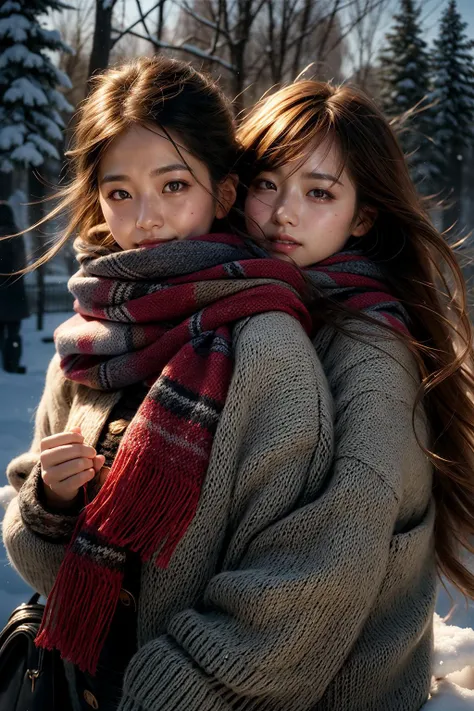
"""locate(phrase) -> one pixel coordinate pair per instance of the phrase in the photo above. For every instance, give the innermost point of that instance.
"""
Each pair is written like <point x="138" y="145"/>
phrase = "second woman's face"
<point x="306" y="210"/>
<point x="149" y="195"/>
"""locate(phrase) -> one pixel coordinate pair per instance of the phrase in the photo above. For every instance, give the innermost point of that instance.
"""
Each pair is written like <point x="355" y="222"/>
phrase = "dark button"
<point x="90" y="699"/>
<point x="127" y="599"/>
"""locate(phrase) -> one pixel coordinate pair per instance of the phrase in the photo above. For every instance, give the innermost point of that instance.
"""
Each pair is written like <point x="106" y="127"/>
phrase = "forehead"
<point x="145" y="146"/>
<point x="317" y="157"/>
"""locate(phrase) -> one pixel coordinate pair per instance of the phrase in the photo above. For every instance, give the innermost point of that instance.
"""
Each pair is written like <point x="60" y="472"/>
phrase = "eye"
<point x="119" y="195"/>
<point x="320" y="194"/>
<point x="175" y="186"/>
<point x="264" y="184"/>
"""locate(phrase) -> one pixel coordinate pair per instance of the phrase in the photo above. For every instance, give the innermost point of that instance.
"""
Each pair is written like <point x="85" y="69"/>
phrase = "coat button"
<point x="127" y="599"/>
<point x="90" y="699"/>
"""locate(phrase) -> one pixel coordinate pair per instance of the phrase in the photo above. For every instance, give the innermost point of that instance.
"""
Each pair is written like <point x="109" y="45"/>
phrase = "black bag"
<point x="31" y="679"/>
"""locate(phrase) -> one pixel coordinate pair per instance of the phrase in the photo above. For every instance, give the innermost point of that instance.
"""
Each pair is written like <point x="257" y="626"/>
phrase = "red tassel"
<point x="77" y="619"/>
<point x="144" y="507"/>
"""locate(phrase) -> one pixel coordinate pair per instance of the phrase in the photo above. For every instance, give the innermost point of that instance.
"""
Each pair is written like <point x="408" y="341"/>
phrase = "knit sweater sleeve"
<point x="298" y="577"/>
<point x="35" y="559"/>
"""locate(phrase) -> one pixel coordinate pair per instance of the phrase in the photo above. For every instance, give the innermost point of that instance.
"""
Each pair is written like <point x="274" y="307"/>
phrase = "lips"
<point x="284" y="244"/>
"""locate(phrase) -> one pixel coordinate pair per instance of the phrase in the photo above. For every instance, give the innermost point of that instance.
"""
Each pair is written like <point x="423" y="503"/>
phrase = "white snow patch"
<point x="448" y="696"/>
<point x="45" y="147"/>
<point x="15" y="27"/>
<point x="27" y="153"/>
<point x="59" y="101"/>
<point x="19" y="54"/>
<point x="24" y="90"/>
<point x="454" y="648"/>
<point x="51" y="128"/>
<point x="12" y="136"/>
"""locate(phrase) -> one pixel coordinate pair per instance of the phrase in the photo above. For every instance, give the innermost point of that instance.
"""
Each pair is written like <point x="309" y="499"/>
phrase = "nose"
<point x="150" y="215"/>
<point x="285" y="214"/>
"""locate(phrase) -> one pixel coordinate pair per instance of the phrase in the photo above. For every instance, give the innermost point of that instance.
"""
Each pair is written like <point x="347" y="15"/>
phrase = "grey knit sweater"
<point x="307" y="578"/>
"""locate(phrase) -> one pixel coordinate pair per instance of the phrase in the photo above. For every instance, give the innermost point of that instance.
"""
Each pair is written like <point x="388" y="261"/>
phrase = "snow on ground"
<point x="19" y="396"/>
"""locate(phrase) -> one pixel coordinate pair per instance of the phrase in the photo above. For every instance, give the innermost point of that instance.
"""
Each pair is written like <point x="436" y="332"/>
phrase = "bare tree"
<point x="365" y="40"/>
<point x="77" y="28"/>
<point x="248" y="40"/>
<point x="297" y="33"/>
<point x="102" y="39"/>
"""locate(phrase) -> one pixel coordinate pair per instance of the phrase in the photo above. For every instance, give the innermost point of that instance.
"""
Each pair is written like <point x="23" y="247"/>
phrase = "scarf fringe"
<point x="78" y="630"/>
<point x="143" y="508"/>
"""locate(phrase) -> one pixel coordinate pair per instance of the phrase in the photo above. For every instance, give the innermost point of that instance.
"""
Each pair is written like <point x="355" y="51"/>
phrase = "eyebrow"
<point x="110" y="178"/>
<point x="322" y="176"/>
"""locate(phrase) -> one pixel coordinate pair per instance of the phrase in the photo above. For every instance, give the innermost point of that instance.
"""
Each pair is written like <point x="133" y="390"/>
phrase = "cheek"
<point x="338" y="220"/>
<point x="256" y="210"/>
<point x="119" y="222"/>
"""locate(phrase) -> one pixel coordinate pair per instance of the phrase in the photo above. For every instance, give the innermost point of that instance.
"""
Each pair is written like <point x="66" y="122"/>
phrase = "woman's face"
<point x="304" y="209"/>
<point x="149" y="196"/>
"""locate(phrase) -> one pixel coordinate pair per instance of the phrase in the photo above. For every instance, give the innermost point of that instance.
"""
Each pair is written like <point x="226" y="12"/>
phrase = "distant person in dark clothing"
<point x="13" y="302"/>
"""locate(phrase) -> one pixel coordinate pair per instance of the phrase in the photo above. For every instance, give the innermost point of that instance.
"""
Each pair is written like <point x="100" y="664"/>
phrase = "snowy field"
<point x="19" y="395"/>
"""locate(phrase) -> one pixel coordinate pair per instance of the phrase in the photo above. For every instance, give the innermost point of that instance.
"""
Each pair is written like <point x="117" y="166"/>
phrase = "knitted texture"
<point x="358" y="283"/>
<point x="146" y="315"/>
<point x="306" y="581"/>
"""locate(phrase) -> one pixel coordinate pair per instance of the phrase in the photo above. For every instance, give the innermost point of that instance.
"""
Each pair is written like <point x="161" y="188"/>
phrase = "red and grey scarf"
<point x="354" y="281"/>
<point x="165" y="316"/>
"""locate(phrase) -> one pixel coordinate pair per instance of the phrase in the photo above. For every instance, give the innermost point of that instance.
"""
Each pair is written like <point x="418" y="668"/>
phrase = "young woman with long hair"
<point x="184" y="422"/>
<point x="326" y="184"/>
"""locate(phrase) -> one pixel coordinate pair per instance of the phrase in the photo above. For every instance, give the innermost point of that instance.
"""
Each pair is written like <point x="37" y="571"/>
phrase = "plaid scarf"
<point x="165" y="316"/>
<point x="351" y="279"/>
<point x="162" y="316"/>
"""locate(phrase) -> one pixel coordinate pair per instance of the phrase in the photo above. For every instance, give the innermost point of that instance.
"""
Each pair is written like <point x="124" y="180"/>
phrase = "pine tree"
<point x="30" y="102"/>
<point x="453" y="92"/>
<point x="404" y="75"/>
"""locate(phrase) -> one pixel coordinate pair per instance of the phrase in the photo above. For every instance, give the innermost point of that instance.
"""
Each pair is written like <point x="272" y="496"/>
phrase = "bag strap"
<point x="34" y="599"/>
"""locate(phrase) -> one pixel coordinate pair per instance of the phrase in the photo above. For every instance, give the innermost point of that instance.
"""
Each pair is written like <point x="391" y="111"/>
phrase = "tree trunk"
<point x="6" y="185"/>
<point x="102" y="40"/>
<point x="238" y="77"/>
<point x="161" y="14"/>
<point x="37" y="191"/>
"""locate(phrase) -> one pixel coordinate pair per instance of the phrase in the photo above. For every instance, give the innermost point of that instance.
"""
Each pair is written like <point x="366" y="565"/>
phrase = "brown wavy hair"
<point x="154" y="92"/>
<point x="420" y="267"/>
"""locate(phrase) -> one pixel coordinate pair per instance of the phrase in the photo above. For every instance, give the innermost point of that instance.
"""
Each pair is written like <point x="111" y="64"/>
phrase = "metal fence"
<point x="56" y="297"/>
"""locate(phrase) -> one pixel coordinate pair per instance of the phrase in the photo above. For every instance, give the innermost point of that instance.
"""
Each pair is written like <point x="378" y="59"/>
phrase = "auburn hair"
<point x="419" y="265"/>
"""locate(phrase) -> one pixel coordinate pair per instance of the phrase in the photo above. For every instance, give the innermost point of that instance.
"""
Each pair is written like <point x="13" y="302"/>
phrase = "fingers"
<point x="59" y="455"/>
<point x="58" y="440"/>
<point x="98" y="462"/>
<point x="68" y="489"/>
<point x="55" y="475"/>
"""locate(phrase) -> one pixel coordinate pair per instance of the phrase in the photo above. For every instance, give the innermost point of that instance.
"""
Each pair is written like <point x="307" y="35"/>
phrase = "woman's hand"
<point x="67" y="463"/>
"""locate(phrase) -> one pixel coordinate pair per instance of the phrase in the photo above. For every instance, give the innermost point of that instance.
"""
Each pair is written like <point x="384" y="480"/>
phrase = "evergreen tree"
<point x="30" y="103"/>
<point x="404" y="75"/>
<point x="453" y="92"/>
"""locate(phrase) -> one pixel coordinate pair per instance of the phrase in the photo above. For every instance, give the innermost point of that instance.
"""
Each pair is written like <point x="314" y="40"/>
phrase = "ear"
<point x="364" y="220"/>
<point x="226" y="195"/>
